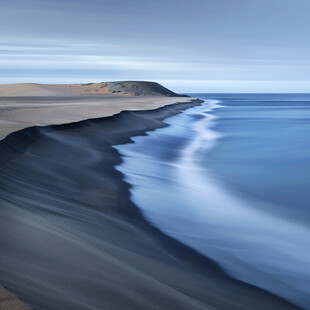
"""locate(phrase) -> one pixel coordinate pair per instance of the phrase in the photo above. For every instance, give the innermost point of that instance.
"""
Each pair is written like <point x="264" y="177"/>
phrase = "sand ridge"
<point x="30" y="104"/>
<point x="21" y="112"/>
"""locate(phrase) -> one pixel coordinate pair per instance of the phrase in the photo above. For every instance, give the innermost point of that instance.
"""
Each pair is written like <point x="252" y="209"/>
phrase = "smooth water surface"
<point x="231" y="179"/>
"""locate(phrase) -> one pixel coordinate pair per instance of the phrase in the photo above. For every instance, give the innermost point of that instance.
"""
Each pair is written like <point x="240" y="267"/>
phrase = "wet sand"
<point x="71" y="238"/>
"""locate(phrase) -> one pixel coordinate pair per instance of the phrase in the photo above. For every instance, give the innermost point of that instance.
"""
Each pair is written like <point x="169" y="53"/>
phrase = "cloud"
<point x="80" y="62"/>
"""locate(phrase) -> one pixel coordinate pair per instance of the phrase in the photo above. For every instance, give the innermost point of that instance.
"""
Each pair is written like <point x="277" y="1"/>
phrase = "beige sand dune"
<point x="30" y="104"/>
<point x="20" y="112"/>
<point x="123" y="88"/>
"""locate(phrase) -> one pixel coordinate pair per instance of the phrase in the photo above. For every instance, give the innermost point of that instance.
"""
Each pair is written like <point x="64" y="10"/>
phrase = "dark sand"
<point x="71" y="239"/>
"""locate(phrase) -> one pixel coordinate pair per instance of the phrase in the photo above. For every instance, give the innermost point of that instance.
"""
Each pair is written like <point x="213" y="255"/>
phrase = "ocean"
<point x="231" y="178"/>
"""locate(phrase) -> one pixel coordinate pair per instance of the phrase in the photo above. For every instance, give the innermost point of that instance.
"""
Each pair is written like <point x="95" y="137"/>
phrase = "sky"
<point x="188" y="46"/>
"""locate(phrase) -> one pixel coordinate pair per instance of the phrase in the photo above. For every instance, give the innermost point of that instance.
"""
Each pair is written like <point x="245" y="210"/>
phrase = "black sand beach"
<point x="71" y="239"/>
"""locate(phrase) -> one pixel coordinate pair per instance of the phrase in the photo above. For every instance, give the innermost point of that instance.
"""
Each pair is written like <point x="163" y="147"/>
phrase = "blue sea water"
<point x="231" y="179"/>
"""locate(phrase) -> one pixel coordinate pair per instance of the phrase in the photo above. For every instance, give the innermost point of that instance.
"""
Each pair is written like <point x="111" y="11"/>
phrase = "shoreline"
<point x="204" y="275"/>
<point x="185" y="200"/>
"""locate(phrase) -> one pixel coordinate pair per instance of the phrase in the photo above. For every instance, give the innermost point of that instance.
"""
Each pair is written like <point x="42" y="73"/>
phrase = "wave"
<point x="181" y="197"/>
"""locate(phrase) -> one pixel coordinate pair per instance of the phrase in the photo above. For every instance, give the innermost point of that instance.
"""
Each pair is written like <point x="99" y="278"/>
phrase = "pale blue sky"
<point x="189" y="46"/>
